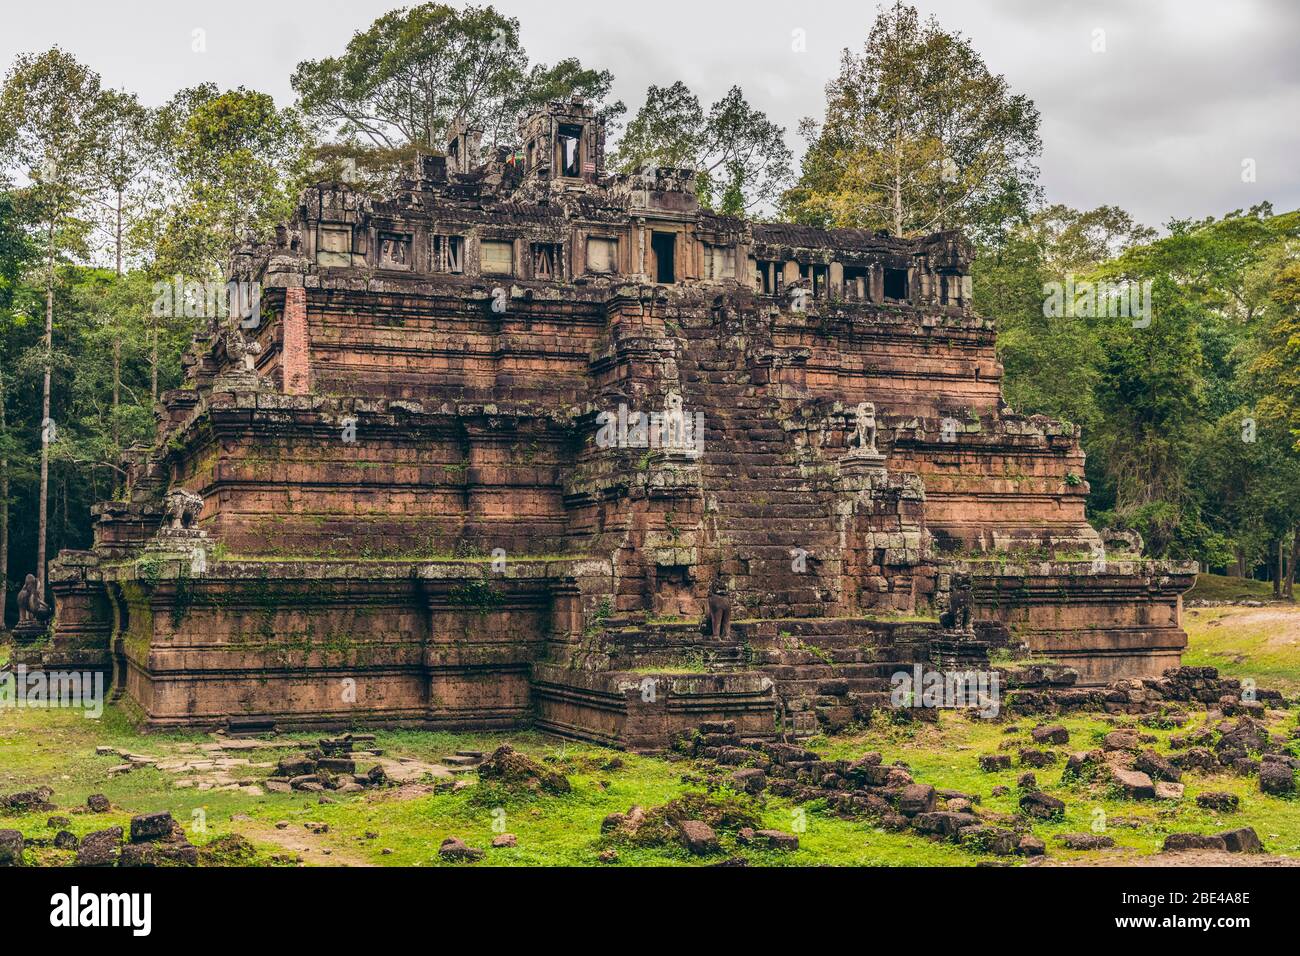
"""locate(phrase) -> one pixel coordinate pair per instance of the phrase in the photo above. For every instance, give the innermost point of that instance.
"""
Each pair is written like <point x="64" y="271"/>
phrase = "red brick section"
<point x="296" y="355"/>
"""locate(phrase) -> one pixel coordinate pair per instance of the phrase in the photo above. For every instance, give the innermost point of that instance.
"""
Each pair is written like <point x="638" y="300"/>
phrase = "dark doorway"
<point x="664" y="245"/>
<point x="896" y="284"/>
<point x="570" y="141"/>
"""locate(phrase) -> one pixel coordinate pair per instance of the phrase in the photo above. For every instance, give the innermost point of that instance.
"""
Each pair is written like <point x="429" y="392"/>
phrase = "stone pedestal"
<point x="29" y="632"/>
<point x="860" y="462"/>
<point x="182" y="542"/>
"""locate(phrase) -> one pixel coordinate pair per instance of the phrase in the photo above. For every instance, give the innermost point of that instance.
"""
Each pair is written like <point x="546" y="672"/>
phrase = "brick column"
<point x="295" y="356"/>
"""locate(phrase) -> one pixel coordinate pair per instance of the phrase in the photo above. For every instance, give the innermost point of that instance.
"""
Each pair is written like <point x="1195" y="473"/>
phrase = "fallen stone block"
<point x="1120" y="740"/>
<point x="1276" y="779"/>
<point x="1156" y="767"/>
<point x="698" y="837"/>
<point x="456" y="850"/>
<point x="1175" y="842"/>
<point x="152" y="826"/>
<point x="1042" y="806"/>
<point x="101" y="848"/>
<point x="163" y="853"/>
<point x="777" y="839"/>
<point x="11" y="848"/>
<point x="1031" y="845"/>
<point x="915" y="798"/>
<point x="1218" y="800"/>
<point x="1050" y="734"/>
<point x="28" y="801"/>
<point x="943" y="823"/>
<point x="1085" y="841"/>
<point x="1243" y="840"/>
<point x="1134" y="784"/>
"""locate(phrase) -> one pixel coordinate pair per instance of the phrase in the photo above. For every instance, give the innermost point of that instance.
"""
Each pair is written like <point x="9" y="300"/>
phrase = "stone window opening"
<point x="818" y="278"/>
<point x="394" y="250"/>
<point x="547" y="260"/>
<point x="857" y="283"/>
<point x="497" y="257"/>
<point x="768" y="277"/>
<point x="719" y="262"/>
<point x="664" y="247"/>
<point x="896" y="284"/>
<point x="602" y="255"/>
<point x="334" y="246"/>
<point x="568" y="142"/>
<point x="449" y="254"/>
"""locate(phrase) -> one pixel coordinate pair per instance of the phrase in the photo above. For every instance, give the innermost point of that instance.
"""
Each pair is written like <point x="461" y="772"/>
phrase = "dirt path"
<point x="1181" y="858"/>
<point x="297" y="839"/>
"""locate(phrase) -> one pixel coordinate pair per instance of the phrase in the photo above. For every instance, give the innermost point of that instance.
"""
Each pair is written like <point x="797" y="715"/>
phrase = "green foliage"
<point x="918" y="136"/>
<point x="741" y="155"/>
<point x="1165" y="405"/>
<point x="414" y="70"/>
<point x="236" y="164"/>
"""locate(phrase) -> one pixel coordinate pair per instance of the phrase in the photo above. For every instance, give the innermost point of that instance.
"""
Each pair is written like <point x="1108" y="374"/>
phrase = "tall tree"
<point x="918" y="136"/>
<point x="16" y="251"/>
<point x="414" y="70"/>
<point x="124" y="189"/>
<point x="51" y="109"/>
<point x="741" y="155"/>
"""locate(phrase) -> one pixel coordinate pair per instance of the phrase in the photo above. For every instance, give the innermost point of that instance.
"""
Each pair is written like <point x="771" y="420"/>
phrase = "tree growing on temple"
<point x="741" y="155"/>
<point x="405" y="78"/>
<point x="918" y="136"/>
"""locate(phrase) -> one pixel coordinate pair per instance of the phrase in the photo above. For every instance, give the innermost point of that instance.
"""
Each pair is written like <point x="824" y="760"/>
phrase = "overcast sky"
<point x="1159" y="122"/>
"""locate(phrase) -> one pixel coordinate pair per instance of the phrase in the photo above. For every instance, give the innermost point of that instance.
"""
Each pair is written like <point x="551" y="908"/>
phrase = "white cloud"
<point x="1158" y="124"/>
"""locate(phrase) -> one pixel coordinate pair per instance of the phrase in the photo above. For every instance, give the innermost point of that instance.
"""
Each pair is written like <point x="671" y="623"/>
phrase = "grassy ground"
<point x="1220" y="587"/>
<point x="1261" y="643"/>
<point x="57" y="749"/>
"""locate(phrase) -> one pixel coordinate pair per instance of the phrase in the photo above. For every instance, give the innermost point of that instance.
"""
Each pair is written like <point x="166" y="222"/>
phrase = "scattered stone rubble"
<point x="512" y="769"/>
<point x="1127" y="763"/>
<point x="1194" y="686"/>
<point x="330" y="766"/>
<point x="154" y="839"/>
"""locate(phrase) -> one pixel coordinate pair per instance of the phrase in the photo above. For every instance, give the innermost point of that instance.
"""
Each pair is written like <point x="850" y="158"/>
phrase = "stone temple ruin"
<point x="529" y="443"/>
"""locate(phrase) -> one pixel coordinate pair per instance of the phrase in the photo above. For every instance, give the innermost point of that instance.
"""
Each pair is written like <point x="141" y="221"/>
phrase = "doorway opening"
<point x="664" y="245"/>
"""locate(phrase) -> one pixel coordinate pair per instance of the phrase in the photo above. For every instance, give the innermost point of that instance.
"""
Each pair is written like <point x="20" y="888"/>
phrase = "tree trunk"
<point x="153" y="363"/>
<point x="4" y="513"/>
<point x="1277" y="573"/>
<point x="1295" y="559"/>
<point x="118" y="235"/>
<point x="45" y="415"/>
<point x="117" y="339"/>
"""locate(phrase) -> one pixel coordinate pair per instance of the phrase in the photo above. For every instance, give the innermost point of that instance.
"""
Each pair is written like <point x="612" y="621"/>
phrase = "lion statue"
<point x="183" y="508"/>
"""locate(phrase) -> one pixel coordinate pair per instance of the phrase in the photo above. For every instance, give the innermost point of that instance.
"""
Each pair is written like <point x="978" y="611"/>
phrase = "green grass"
<point x="947" y="755"/>
<point x="1259" y="643"/>
<point x="1221" y="587"/>
<point x="56" y="748"/>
